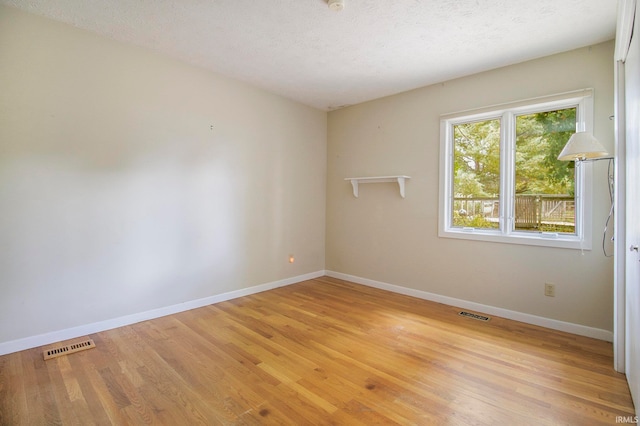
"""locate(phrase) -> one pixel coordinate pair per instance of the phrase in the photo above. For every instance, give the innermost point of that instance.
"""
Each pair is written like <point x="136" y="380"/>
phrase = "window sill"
<point x="522" y="238"/>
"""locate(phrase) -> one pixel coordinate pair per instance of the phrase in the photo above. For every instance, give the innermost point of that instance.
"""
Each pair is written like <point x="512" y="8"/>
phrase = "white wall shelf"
<point x="355" y="181"/>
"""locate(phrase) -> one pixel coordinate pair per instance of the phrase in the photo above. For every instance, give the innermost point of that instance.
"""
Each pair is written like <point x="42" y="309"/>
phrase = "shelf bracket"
<point x="401" y="180"/>
<point x="354" y="184"/>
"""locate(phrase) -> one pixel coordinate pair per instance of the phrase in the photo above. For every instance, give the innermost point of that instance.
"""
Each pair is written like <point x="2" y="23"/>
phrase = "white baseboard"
<point x="83" y="330"/>
<point x="568" y="327"/>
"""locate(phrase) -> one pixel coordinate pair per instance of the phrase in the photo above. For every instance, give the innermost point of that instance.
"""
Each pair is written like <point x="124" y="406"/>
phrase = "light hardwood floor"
<point x="323" y="351"/>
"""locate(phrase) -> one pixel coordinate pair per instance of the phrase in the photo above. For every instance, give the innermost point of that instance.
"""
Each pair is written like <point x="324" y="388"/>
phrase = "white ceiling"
<point x="304" y="51"/>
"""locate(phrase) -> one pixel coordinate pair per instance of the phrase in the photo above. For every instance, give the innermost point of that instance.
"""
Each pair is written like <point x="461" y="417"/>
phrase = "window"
<point x="501" y="180"/>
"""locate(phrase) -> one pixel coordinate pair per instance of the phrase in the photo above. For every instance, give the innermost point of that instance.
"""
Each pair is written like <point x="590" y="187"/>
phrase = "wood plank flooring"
<point x="323" y="351"/>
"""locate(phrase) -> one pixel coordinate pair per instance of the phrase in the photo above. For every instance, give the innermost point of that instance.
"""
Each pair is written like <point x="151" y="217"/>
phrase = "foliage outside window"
<point x="502" y="180"/>
<point x="476" y="174"/>
<point x="544" y="186"/>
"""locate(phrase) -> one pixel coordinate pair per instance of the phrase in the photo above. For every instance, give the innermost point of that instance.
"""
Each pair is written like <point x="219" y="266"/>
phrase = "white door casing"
<point x="632" y="222"/>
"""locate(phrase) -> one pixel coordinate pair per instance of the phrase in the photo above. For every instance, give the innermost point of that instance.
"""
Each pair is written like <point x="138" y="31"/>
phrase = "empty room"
<point x="310" y="212"/>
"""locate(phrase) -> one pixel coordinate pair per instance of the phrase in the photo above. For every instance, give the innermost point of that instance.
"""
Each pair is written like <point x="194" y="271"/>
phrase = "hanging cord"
<point x="610" y="178"/>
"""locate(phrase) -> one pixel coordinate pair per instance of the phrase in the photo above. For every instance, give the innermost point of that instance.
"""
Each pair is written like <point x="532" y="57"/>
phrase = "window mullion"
<point x="507" y="161"/>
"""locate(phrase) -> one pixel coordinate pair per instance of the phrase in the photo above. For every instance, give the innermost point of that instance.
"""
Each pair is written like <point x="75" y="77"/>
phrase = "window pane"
<point x="544" y="186"/>
<point x="476" y="174"/>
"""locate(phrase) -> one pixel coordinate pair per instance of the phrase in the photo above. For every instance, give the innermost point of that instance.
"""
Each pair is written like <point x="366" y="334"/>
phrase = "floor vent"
<point x="474" y="316"/>
<point x="69" y="349"/>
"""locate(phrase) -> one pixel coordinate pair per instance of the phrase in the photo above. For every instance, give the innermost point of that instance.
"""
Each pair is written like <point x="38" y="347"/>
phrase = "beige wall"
<point x="117" y="195"/>
<point x="382" y="237"/>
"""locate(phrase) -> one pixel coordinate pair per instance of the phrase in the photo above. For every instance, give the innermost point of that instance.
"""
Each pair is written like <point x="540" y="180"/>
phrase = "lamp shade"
<point x="582" y="146"/>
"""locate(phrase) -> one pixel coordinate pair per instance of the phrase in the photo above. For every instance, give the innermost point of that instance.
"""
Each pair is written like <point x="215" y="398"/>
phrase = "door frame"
<point x="624" y="31"/>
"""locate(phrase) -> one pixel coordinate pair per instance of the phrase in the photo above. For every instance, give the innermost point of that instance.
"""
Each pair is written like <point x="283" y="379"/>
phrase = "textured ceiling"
<point x="304" y="51"/>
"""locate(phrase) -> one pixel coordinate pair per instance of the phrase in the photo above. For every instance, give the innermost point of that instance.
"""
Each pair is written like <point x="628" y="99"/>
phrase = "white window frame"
<point x="583" y="101"/>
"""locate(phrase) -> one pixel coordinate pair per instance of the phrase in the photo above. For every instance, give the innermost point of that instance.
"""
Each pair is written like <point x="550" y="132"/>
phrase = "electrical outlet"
<point x="549" y="289"/>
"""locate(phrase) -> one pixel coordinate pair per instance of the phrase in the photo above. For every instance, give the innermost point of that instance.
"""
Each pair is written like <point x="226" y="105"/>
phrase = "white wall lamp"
<point x="583" y="146"/>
